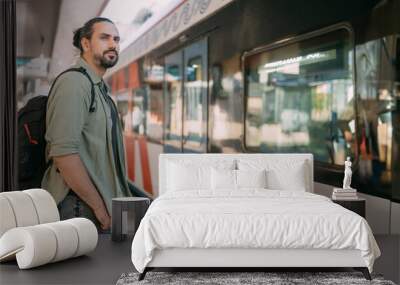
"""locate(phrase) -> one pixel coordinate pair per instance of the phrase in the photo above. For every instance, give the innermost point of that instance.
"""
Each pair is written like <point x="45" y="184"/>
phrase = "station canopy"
<point x="134" y="18"/>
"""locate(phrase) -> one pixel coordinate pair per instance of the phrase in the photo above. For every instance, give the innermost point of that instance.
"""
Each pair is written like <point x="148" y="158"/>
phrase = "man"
<point x="85" y="148"/>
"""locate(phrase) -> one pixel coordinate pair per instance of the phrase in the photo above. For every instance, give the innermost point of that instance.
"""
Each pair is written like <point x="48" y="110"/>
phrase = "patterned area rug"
<point x="242" y="278"/>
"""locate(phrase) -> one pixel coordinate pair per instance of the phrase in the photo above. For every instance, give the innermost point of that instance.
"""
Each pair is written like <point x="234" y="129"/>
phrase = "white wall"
<point x="395" y="219"/>
<point x="388" y="263"/>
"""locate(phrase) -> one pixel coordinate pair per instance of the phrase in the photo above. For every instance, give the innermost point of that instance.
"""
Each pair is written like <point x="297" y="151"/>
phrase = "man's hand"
<point x="103" y="217"/>
<point x="75" y="175"/>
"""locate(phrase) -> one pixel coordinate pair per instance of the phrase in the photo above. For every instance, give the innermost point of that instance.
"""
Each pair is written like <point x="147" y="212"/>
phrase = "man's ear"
<point x="85" y="43"/>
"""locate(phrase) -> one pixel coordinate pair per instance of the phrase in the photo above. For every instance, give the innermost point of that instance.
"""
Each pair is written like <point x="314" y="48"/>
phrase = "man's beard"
<point x="107" y="63"/>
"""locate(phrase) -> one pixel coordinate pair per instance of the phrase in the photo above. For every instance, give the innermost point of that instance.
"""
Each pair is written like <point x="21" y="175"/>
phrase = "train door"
<point x="173" y="102"/>
<point x="195" y="98"/>
<point x="185" y="89"/>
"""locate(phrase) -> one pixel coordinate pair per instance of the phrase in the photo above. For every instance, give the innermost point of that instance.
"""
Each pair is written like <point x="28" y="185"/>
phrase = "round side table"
<point x="127" y="212"/>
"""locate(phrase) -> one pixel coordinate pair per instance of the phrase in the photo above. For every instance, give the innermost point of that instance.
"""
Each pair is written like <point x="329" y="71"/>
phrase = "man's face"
<point x="103" y="46"/>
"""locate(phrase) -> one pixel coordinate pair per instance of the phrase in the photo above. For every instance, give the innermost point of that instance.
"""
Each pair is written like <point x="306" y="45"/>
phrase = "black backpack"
<point x="31" y="141"/>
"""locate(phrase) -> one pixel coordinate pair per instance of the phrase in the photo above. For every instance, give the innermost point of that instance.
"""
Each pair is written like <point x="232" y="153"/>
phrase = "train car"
<point x="247" y="79"/>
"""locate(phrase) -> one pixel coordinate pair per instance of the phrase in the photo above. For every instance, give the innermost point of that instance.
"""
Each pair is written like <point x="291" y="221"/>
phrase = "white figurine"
<point x="347" y="174"/>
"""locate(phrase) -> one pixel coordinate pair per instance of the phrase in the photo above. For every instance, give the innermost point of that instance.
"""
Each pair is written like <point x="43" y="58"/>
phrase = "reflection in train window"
<point x="173" y="104"/>
<point x="136" y="110"/>
<point x="153" y="80"/>
<point x="226" y="98"/>
<point x="377" y="88"/>
<point x="173" y="71"/>
<point x="193" y="70"/>
<point x="193" y="103"/>
<point x="129" y="94"/>
<point x="300" y="98"/>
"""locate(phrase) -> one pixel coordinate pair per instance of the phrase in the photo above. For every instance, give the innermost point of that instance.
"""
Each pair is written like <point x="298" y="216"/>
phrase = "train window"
<point x="140" y="100"/>
<point x="186" y="99"/>
<point x="137" y="110"/>
<point x="195" y="97"/>
<point x="193" y="69"/>
<point x="226" y="100"/>
<point x="299" y="98"/>
<point x="173" y="103"/>
<point x="154" y="77"/>
<point x="378" y="124"/>
<point x="193" y="104"/>
<point x="130" y="97"/>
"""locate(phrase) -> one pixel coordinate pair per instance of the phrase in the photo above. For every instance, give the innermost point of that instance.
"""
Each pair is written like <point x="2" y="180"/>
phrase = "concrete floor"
<point x="102" y="266"/>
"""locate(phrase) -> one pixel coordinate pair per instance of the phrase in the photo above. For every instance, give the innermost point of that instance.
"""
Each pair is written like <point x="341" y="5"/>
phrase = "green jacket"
<point x="71" y="128"/>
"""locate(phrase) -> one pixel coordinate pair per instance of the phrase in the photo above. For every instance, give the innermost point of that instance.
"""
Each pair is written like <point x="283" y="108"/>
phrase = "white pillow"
<point x="285" y="174"/>
<point x="184" y="174"/>
<point x="183" y="178"/>
<point x="293" y="179"/>
<point x="235" y="179"/>
<point x="223" y="179"/>
<point x="251" y="178"/>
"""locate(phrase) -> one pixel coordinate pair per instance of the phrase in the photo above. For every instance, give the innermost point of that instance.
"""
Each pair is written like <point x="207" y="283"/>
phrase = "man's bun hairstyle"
<point x="86" y="31"/>
<point x="77" y="39"/>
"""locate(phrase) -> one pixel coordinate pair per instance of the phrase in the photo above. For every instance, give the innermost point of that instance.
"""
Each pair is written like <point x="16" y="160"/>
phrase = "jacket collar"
<point x="95" y="78"/>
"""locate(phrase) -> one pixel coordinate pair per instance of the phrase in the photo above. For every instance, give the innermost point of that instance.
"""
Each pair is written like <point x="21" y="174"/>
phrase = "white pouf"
<point x="37" y="245"/>
<point x="7" y="220"/>
<point x="45" y="205"/>
<point x="22" y="207"/>
<point x="31" y="232"/>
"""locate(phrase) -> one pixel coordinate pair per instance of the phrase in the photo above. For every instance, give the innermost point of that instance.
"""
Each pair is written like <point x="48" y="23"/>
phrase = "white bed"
<point x="215" y="224"/>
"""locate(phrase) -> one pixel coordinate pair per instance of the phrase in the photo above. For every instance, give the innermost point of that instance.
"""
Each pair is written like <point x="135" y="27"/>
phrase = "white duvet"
<point x="253" y="218"/>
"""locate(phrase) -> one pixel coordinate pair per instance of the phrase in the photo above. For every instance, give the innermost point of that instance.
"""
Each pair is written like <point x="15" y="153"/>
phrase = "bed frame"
<point x="246" y="259"/>
<point x="242" y="259"/>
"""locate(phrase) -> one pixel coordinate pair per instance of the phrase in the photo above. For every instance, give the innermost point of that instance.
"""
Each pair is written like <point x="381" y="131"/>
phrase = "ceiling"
<point x="35" y="20"/>
<point x="45" y="27"/>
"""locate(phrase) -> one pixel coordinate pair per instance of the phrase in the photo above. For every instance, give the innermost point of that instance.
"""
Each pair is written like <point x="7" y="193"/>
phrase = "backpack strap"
<point x="82" y="70"/>
<point x="93" y="93"/>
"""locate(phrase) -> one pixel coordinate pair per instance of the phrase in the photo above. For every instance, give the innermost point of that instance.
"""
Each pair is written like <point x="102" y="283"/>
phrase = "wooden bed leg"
<point x="143" y="274"/>
<point x="364" y="271"/>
